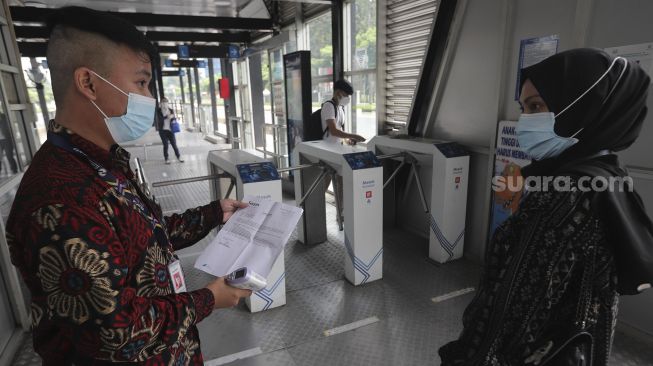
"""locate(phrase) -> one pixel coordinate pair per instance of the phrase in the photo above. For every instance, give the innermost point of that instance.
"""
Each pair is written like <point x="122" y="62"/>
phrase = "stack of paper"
<point x="253" y="237"/>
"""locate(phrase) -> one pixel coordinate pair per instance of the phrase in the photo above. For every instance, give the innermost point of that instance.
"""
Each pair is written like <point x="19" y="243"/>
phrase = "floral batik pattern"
<point x="94" y="253"/>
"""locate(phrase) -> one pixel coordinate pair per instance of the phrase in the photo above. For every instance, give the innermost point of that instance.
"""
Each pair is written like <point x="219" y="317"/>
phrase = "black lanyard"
<point x="140" y="201"/>
<point x="148" y="208"/>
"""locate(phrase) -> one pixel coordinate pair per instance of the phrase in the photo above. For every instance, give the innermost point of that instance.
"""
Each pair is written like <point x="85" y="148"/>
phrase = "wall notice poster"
<point x="640" y="53"/>
<point x="532" y="51"/>
<point x="509" y="159"/>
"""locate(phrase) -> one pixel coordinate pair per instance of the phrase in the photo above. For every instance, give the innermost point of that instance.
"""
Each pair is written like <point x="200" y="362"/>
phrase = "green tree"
<point x="364" y="27"/>
<point x="321" y="44"/>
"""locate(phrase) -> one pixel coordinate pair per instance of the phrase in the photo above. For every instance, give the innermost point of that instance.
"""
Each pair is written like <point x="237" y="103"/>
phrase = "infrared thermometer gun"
<point x="245" y="279"/>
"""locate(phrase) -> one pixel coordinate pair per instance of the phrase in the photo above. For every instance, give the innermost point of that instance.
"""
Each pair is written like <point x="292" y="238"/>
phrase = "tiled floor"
<point x="410" y="328"/>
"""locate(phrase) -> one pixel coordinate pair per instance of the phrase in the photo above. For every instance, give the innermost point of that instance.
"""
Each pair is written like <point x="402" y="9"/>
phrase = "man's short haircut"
<point x="84" y="37"/>
<point x="344" y="85"/>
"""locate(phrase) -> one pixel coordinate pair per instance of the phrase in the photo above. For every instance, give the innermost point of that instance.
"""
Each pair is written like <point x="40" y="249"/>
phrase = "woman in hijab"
<point x="165" y="115"/>
<point x="553" y="271"/>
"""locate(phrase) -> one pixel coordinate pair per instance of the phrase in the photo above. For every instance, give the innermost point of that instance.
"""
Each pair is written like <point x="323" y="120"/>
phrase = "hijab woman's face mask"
<point x="135" y="122"/>
<point x="536" y="131"/>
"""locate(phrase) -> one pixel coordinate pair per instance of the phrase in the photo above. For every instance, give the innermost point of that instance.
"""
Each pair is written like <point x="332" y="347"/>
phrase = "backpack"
<point x="313" y="129"/>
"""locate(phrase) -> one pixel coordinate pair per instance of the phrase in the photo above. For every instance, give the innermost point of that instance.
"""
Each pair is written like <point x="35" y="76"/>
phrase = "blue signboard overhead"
<point x="183" y="51"/>
<point x="234" y="51"/>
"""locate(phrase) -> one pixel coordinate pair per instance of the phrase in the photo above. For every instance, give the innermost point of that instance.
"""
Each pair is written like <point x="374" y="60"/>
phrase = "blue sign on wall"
<point x="183" y="51"/>
<point x="234" y="51"/>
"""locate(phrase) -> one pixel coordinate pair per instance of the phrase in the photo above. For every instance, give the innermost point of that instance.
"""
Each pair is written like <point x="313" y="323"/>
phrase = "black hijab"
<point x="611" y="115"/>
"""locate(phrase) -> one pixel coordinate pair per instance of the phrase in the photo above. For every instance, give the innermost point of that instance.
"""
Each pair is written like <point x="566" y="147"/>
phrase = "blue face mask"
<point x="537" y="137"/>
<point x="133" y="124"/>
<point x="536" y="134"/>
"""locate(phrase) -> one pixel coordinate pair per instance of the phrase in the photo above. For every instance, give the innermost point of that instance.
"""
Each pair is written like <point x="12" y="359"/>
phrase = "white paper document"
<point x="253" y="237"/>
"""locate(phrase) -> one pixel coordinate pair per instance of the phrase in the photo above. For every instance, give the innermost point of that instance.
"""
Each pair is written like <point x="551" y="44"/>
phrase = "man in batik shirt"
<point x="94" y="250"/>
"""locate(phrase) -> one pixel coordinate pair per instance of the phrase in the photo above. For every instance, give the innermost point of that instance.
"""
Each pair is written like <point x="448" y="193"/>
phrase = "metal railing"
<point x="240" y="133"/>
<point x="277" y="147"/>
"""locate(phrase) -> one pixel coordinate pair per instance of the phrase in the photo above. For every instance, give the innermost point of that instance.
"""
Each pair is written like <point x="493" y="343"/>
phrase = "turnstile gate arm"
<point x="338" y="193"/>
<point x="231" y="188"/>
<point x="323" y="174"/>
<point x="394" y="174"/>
<point x="298" y="167"/>
<point x="408" y="159"/>
<point x="190" y="180"/>
<point x="419" y="188"/>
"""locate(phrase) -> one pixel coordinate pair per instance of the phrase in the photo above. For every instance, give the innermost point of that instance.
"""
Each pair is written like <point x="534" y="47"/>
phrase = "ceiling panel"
<point x="220" y="8"/>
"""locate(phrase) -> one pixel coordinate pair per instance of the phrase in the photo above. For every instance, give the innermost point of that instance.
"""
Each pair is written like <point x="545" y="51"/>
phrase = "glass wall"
<point x="267" y="87"/>
<point x="8" y="148"/>
<point x="222" y="116"/>
<point x="318" y="33"/>
<point x="18" y="129"/>
<point x="360" y="64"/>
<point x="278" y="91"/>
<point x="32" y="76"/>
<point x="19" y="142"/>
<point x="178" y="91"/>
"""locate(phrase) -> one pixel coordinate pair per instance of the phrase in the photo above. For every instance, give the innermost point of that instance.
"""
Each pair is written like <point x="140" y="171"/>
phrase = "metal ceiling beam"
<point x="38" y="49"/>
<point x="240" y="37"/>
<point x="28" y="32"/>
<point x="199" y="51"/>
<point x="32" y="49"/>
<point x="33" y="14"/>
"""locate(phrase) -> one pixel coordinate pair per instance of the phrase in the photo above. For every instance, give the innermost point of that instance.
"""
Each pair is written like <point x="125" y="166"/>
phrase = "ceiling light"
<point x="222" y="3"/>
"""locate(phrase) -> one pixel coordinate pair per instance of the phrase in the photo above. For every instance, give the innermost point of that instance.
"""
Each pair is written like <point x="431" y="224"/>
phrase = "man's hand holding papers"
<point x="253" y="237"/>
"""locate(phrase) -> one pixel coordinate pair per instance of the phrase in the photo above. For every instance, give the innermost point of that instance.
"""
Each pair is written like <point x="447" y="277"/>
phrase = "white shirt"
<point x="328" y="112"/>
<point x="167" y="116"/>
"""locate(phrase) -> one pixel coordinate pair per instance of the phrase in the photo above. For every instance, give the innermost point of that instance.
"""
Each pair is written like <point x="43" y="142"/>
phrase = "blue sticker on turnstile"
<point x="258" y="172"/>
<point x="451" y="149"/>
<point x="362" y="160"/>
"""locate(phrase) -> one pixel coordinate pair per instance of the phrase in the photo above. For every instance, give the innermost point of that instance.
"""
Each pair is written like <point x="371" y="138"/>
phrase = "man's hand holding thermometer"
<point x="224" y="295"/>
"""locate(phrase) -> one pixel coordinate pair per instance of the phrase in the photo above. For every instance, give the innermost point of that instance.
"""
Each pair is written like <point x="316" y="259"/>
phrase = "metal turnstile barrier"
<point x="444" y="167"/>
<point x="362" y="197"/>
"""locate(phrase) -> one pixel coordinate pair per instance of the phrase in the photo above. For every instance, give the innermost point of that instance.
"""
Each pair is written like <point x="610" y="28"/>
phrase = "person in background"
<point x="164" y="116"/>
<point x="95" y="251"/>
<point x="7" y="144"/>
<point x="333" y="125"/>
<point x="333" y="115"/>
<point x="553" y="271"/>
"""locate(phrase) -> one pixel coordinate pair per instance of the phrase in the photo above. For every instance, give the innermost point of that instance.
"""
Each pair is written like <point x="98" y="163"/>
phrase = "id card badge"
<point x="177" y="276"/>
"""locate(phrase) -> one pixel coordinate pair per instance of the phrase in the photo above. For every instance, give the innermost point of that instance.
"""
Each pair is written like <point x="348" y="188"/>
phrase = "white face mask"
<point x="343" y="101"/>
<point x="133" y="124"/>
<point x="536" y="134"/>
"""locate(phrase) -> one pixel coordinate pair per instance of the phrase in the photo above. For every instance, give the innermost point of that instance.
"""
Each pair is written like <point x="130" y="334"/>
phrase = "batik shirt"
<point x="94" y="253"/>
